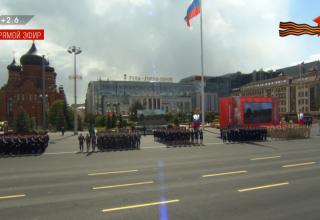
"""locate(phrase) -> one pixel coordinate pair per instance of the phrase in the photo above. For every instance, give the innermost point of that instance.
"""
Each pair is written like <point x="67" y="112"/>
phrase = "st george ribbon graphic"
<point x="291" y="28"/>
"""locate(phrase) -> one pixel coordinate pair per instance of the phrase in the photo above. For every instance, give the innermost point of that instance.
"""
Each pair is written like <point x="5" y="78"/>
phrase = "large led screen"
<point x="257" y="112"/>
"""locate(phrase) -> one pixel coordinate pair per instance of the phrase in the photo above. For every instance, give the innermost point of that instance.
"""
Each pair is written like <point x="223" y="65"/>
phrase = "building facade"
<point x="296" y="94"/>
<point x="119" y="96"/>
<point x="23" y="90"/>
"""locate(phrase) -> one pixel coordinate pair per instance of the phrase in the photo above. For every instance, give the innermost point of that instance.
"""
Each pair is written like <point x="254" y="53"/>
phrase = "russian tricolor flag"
<point x="193" y="10"/>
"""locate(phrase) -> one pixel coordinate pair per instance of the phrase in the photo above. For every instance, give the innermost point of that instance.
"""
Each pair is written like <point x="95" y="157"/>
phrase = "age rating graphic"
<point x="15" y="19"/>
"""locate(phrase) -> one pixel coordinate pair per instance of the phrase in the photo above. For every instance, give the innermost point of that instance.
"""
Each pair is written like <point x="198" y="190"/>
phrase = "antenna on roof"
<point x="14" y="54"/>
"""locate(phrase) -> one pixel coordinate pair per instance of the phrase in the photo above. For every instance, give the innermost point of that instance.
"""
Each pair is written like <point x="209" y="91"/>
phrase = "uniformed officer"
<point x="88" y="140"/>
<point x="93" y="142"/>
<point x="81" y="141"/>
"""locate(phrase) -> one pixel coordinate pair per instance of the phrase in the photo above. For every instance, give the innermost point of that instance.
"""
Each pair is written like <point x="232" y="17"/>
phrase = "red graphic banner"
<point x="21" y="34"/>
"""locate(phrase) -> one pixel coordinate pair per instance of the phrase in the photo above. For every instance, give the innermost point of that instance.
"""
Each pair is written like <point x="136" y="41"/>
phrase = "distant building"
<point x="23" y="90"/>
<point x="119" y="96"/>
<point x="300" y="69"/>
<point x="296" y="94"/>
<point x="185" y="96"/>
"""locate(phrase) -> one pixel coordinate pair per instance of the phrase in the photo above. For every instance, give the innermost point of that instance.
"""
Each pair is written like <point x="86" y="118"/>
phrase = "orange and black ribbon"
<point x="291" y="28"/>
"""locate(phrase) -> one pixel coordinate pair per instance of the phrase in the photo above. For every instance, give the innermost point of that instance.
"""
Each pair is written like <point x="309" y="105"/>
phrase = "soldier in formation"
<point x="88" y="142"/>
<point x="14" y="144"/>
<point x="244" y="134"/>
<point x="118" y="141"/>
<point x="178" y="136"/>
<point x="81" y="142"/>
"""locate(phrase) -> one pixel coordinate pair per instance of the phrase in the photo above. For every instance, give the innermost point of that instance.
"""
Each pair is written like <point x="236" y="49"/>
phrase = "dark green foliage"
<point x="90" y="119"/>
<point x="60" y="115"/>
<point x="22" y="123"/>
<point x="134" y="110"/>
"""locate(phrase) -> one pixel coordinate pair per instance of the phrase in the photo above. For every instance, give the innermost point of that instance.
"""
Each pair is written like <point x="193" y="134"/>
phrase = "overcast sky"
<point x="150" y="37"/>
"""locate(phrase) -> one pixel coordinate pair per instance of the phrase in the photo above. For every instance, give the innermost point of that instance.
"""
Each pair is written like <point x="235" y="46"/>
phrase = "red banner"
<point x="21" y="34"/>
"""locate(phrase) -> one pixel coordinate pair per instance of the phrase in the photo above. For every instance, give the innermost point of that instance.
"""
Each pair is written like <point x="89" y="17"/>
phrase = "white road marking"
<point x="123" y="185"/>
<point x="265" y="158"/>
<point x="298" y="164"/>
<point x="12" y="196"/>
<point x="112" y="172"/>
<point x="263" y="187"/>
<point x="58" y="153"/>
<point x="140" y="205"/>
<point x="223" y="174"/>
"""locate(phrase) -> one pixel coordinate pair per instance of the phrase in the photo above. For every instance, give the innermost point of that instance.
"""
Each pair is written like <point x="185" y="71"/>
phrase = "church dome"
<point x="32" y="57"/>
<point x="14" y="66"/>
<point x="49" y="68"/>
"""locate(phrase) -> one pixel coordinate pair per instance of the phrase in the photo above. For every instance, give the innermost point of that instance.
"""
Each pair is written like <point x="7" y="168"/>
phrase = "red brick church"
<point x="23" y="90"/>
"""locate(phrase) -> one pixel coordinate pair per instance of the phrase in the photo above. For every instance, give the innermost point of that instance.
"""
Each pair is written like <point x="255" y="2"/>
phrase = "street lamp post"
<point x="75" y="51"/>
<point x="43" y="95"/>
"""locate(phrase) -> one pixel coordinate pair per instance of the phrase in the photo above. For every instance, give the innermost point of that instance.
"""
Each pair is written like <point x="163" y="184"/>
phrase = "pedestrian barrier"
<point x="289" y="132"/>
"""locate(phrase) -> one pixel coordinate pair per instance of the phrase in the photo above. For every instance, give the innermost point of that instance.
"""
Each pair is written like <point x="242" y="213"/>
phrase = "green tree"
<point x="169" y="117"/>
<point x="134" y="110"/>
<point x="70" y="118"/>
<point x="68" y="115"/>
<point x="57" y="116"/>
<point x="22" y="122"/>
<point x="60" y="120"/>
<point x="108" y="122"/>
<point x="90" y="119"/>
<point x="120" y="119"/>
<point x="113" y="120"/>
<point x="209" y="117"/>
<point x="100" y="120"/>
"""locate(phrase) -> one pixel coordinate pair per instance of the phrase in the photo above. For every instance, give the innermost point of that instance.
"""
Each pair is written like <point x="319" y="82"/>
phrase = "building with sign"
<point x="119" y="96"/>
<point x="24" y="88"/>
<point x="296" y="94"/>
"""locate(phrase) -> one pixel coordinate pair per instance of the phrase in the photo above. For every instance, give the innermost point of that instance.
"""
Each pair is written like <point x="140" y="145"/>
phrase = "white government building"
<point x="156" y="97"/>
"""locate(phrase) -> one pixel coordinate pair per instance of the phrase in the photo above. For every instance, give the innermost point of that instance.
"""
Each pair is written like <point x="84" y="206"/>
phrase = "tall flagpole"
<point x="202" y="69"/>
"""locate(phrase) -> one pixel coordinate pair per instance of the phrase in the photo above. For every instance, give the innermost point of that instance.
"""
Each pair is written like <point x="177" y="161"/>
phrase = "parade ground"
<point x="276" y="179"/>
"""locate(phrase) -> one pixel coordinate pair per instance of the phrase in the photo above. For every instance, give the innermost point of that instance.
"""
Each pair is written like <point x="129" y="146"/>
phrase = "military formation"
<point x="14" y="144"/>
<point x="178" y="136"/>
<point x="244" y="134"/>
<point x="110" y="141"/>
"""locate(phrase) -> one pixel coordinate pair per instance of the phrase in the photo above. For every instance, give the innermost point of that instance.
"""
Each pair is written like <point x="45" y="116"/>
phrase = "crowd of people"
<point x="178" y="136"/>
<point x="15" y="144"/>
<point x="244" y="134"/>
<point x="110" y="141"/>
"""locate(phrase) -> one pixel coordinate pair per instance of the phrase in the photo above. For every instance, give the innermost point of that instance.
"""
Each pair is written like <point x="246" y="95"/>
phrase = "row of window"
<point x="281" y="95"/>
<point x="303" y="101"/>
<point x="303" y="94"/>
<point x="270" y="83"/>
<point x="283" y="103"/>
<point x="283" y="110"/>
<point x="26" y="97"/>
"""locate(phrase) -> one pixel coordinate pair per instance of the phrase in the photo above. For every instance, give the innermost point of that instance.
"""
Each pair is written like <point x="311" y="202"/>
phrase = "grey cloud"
<point x="150" y="37"/>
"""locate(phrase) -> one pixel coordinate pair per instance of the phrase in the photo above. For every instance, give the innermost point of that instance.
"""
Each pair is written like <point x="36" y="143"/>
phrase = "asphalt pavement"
<point x="261" y="180"/>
